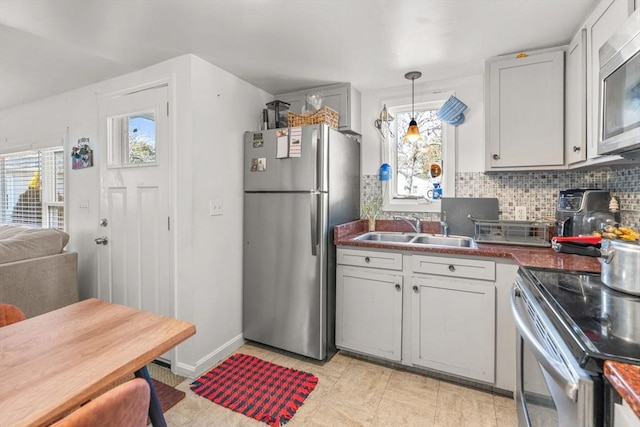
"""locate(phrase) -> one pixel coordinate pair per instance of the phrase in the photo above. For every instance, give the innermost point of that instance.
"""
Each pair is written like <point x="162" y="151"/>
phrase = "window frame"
<point x="393" y="203"/>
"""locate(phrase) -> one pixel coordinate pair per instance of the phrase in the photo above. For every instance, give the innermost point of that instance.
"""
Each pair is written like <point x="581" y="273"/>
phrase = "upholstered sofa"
<point x="36" y="273"/>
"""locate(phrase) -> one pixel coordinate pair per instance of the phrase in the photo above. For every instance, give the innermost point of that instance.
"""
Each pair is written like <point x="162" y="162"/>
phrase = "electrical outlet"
<point x="215" y="207"/>
<point x="521" y="213"/>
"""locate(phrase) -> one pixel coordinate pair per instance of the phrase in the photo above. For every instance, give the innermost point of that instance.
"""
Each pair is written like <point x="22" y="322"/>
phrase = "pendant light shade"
<point x="413" y="133"/>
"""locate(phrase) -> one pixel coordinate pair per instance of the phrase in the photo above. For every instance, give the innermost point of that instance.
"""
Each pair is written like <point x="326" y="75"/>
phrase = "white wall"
<point x="209" y="251"/>
<point x="211" y="110"/>
<point x="470" y="134"/>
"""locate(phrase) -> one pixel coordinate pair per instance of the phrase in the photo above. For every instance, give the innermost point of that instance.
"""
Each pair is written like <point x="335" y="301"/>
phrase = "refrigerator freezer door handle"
<point x="314" y="222"/>
<point x="315" y="142"/>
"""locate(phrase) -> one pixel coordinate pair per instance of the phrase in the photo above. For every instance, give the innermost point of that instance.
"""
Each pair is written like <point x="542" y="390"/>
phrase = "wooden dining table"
<point x="53" y="363"/>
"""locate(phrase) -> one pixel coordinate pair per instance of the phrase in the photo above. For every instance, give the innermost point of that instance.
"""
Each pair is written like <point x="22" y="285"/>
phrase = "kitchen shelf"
<point x="527" y="233"/>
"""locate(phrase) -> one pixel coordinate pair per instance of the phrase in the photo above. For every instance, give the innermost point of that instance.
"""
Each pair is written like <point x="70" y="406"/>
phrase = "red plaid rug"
<point x="256" y="388"/>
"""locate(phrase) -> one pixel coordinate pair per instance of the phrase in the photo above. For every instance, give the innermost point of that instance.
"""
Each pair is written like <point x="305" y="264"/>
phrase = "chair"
<point x="10" y="314"/>
<point x="126" y="405"/>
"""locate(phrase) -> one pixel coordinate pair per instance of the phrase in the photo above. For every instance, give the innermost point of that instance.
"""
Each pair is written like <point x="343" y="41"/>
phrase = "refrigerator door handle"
<point x="315" y="142"/>
<point x="314" y="222"/>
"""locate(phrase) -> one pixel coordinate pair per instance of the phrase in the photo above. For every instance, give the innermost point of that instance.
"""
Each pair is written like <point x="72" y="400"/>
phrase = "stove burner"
<point x="600" y="322"/>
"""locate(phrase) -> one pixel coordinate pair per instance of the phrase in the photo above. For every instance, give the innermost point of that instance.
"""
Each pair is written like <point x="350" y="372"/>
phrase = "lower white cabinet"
<point x="623" y="416"/>
<point x="453" y="326"/>
<point x="369" y="311"/>
<point x="438" y="312"/>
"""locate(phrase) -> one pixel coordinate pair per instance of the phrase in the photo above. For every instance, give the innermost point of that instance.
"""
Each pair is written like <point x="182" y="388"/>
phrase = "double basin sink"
<point x="419" y="239"/>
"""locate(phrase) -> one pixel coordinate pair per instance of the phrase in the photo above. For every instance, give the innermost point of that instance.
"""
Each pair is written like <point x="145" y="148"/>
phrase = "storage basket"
<point x="323" y="115"/>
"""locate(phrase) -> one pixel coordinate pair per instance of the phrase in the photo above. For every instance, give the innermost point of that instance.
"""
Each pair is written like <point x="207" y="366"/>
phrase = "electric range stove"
<point x="595" y="322"/>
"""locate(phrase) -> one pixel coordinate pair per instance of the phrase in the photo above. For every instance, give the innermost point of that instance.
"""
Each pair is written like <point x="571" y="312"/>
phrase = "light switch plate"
<point x="215" y="207"/>
<point x="521" y="213"/>
<point x="83" y="206"/>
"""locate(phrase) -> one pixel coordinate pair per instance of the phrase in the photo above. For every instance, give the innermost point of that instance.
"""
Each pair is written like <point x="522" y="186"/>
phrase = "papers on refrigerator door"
<point x="295" y="144"/>
<point x="282" y="143"/>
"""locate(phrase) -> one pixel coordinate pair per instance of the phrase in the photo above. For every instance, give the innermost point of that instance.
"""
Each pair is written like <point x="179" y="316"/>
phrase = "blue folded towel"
<point x="451" y="111"/>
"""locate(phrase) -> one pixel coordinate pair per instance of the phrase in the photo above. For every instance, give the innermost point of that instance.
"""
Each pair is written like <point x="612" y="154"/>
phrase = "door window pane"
<point x="132" y="139"/>
<point x="142" y="138"/>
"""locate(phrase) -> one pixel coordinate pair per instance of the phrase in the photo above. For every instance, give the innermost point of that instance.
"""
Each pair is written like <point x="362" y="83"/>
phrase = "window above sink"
<point x="417" y="166"/>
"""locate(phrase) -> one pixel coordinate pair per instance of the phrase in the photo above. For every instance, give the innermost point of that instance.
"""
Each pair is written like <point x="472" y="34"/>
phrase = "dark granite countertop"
<point x="625" y="379"/>
<point x="526" y="256"/>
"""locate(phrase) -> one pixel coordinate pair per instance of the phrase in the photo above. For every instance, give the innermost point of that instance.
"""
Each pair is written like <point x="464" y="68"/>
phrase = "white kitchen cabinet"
<point x="505" y="327"/>
<point x="369" y="311"/>
<point x="524" y="101"/>
<point x="442" y="313"/>
<point x="601" y="24"/>
<point x="453" y="324"/>
<point x="374" y="259"/>
<point x="342" y="97"/>
<point x="575" y="139"/>
<point x="623" y="416"/>
<point x="454" y="267"/>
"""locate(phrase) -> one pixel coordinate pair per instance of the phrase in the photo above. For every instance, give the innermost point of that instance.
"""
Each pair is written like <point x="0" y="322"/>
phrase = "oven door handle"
<point x="550" y="364"/>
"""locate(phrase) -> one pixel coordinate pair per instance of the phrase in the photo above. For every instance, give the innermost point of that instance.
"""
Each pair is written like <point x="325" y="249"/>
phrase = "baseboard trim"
<point x="206" y="363"/>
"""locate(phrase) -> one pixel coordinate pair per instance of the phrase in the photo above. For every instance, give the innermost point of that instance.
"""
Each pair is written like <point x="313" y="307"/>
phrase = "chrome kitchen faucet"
<point x="416" y="226"/>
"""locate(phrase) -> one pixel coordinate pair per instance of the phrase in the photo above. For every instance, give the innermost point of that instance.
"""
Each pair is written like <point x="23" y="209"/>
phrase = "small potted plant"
<point x="370" y="211"/>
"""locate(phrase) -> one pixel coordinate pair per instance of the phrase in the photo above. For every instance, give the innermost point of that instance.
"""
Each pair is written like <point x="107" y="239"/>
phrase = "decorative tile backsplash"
<point x="537" y="191"/>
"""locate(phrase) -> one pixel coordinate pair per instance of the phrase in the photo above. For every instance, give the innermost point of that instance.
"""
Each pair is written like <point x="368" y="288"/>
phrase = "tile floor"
<point x="355" y="392"/>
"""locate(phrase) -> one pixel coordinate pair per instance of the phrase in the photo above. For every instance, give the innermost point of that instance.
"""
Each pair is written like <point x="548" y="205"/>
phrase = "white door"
<point x="135" y="258"/>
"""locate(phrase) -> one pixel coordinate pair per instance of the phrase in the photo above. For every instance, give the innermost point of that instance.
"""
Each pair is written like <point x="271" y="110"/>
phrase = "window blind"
<point x="32" y="188"/>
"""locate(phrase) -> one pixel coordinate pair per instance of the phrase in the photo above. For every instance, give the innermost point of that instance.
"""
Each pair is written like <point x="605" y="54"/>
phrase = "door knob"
<point x="101" y="240"/>
<point x="416" y="289"/>
<point x="398" y="287"/>
<point x="496" y="157"/>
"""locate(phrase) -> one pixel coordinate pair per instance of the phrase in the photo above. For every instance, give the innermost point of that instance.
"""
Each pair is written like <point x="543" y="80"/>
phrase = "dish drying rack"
<point x="527" y="233"/>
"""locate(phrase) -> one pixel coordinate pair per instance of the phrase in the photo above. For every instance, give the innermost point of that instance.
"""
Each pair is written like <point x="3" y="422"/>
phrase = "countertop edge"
<point x="525" y="256"/>
<point x="625" y="379"/>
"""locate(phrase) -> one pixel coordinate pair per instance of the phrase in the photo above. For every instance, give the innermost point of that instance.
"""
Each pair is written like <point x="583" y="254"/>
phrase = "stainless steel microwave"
<point x="619" y="106"/>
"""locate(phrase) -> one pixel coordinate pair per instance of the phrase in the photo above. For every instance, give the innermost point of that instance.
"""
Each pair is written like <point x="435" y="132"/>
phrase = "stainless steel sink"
<point x="451" y="241"/>
<point x="411" y="239"/>
<point x="388" y="237"/>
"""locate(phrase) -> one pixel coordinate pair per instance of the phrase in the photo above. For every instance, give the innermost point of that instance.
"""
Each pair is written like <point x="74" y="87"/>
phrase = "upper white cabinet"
<point x="524" y="100"/>
<point x="607" y="17"/>
<point x="342" y="97"/>
<point x="575" y="130"/>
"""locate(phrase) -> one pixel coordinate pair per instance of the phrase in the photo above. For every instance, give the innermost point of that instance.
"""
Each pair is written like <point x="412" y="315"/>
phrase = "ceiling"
<point x="53" y="46"/>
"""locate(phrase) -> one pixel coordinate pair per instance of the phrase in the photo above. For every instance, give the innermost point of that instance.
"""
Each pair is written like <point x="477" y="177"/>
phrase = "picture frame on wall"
<point x="82" y="155"/>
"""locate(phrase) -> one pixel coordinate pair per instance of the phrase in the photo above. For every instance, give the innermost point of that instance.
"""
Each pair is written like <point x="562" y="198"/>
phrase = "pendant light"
<point x="413" y="133"/>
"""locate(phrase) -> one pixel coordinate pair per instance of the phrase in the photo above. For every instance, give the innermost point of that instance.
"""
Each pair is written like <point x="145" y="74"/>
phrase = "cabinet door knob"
<point x="576" y="148"/>
<point x="452" y="267"/>
<point x="367" y="259"/>
<point x="416" y="289"/>
<point x="398" y="287"/>
<point x="496" y="157"/>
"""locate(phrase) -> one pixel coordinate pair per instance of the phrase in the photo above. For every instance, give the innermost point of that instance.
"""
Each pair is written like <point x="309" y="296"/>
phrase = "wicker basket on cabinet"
<point x="323" y="115"/>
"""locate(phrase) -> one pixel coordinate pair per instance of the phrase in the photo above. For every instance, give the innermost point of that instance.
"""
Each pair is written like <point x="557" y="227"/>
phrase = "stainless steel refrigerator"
<point x="298" y="186"/>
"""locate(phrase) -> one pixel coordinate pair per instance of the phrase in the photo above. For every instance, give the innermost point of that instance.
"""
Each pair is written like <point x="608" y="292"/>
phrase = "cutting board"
<point x="458" y="209"/>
